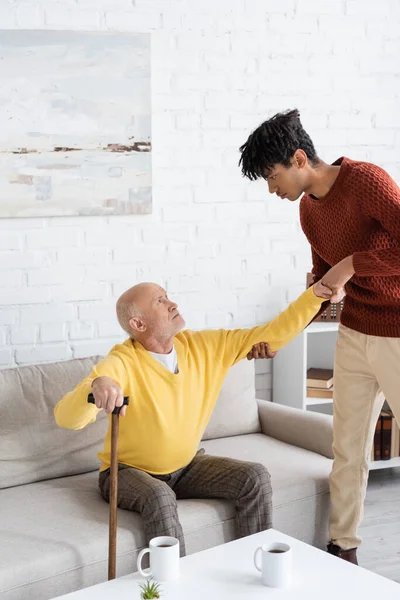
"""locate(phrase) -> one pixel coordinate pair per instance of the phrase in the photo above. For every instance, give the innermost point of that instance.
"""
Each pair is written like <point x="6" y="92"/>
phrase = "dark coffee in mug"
<point x="277" y="551"/>
<point x="164" y="546"/>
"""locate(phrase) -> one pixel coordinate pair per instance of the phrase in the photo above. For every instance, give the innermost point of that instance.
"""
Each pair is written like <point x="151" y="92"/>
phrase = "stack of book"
<point x="386" y="443"/>
<point x="320" y="383"/>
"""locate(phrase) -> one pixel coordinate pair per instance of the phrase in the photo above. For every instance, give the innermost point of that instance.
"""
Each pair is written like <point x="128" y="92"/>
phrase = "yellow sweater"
<point x="168" y="413"/>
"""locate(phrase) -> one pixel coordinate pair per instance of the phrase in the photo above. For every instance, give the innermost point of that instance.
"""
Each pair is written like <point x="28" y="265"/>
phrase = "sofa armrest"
<point x="305" y="429"/>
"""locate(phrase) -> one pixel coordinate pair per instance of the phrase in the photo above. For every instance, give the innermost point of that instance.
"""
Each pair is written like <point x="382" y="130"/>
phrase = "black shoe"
<point x="349" y="555"/>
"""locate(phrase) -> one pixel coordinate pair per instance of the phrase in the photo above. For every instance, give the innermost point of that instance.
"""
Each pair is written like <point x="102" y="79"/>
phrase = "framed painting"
<point x="76" y="124"/>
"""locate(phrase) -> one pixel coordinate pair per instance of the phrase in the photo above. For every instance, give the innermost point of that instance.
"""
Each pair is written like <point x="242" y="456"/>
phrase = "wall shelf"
<point x="384" y="464"/>
<point x="318" y="401"/>
<point x="314" y="347"/>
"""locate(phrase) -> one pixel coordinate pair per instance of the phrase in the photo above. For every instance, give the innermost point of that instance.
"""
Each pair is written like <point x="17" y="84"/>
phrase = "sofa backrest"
<point x="236" y="410"/>
<point x="34" y="448"/>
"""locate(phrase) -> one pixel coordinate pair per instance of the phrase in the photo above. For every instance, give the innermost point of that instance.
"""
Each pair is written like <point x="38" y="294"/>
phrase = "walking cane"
<point x="112" y="522"/>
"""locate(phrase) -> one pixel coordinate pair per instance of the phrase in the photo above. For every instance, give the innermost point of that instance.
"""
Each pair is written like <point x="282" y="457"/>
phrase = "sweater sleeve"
<point x="381" y="202"/>
<point x="278" y="332"/>
<point x="319" y="266"/>
<point x="74" y="411"/>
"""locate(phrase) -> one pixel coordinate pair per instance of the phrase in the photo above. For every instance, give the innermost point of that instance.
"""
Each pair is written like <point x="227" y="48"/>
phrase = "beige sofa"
<point x="54" y="524"/>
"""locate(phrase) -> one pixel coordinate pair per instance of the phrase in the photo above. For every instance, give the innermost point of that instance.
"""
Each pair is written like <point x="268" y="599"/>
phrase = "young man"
<point x="350" y="213"/>
<point x="173" y="378"/>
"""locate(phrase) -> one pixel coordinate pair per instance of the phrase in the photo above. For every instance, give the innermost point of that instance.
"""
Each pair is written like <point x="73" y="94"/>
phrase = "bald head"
<point x="133" y="302"/>
<point x="146" y="313"/>
<point x="136" y="293"/>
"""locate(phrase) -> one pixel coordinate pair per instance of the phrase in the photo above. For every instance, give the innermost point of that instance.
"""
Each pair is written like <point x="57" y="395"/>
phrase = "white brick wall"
<point x="230" y="254"/>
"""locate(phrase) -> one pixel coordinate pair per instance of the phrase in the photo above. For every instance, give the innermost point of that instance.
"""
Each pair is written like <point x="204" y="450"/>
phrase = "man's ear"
<point x="137" y="324"/>
<point x="299" y="159"/>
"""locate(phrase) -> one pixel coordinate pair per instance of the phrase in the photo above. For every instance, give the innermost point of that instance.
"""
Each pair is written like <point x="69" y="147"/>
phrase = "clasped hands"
<point x="337" y="277"/>
<point x="330" y="286"/>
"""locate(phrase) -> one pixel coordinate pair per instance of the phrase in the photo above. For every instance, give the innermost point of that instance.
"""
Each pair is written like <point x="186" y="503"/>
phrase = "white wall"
<point x="230" y="254"/>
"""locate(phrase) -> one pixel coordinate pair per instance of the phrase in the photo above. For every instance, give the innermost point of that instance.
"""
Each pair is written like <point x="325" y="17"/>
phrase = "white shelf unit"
<point x="314" y="347"/>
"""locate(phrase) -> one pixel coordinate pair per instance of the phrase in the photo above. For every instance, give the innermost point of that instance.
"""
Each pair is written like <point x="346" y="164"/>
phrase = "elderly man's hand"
<point x="337" y="277"/>
<point x="260" y="350"/>
<point x="323" y="291"/>
<point x="107" y="395"/>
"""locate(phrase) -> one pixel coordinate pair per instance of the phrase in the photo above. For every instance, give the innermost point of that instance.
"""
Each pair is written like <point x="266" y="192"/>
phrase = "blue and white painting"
<point x="75" y="135"/>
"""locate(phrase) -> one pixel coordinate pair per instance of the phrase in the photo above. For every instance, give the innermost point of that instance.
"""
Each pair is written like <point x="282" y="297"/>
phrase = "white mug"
<point x="276" y="564"/>
<point x="164" y="559"/>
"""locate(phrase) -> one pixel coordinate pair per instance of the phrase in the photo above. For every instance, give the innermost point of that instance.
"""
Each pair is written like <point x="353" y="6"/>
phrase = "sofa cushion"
<point x="236" y="410"/>
<point x="295" y="472"/>
<point x="56" y="531"/>
<point x="32" y="447"/>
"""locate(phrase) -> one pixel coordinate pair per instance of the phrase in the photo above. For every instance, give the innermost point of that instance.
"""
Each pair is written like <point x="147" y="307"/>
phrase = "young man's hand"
<point x="260" y="350"/>
<point x="337" y="277"/>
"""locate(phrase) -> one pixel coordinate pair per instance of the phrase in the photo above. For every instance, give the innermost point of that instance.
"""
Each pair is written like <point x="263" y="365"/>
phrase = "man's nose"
<point x="172" y="305"/>
<point x="272" y="187"/>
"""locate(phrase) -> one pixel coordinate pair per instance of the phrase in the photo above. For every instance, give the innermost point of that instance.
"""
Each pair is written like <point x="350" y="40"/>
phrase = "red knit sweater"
<point x="360" y="216"/>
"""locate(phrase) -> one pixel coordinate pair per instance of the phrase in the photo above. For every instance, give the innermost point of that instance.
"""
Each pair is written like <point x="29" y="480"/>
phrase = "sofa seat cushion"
<point x="55" y="532"/>
<point x="56" y="536"/>
<point x="295" y="473"/>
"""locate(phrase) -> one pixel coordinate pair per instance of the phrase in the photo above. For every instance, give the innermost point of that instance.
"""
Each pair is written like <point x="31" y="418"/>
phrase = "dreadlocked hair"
<point x="275" y="141"/>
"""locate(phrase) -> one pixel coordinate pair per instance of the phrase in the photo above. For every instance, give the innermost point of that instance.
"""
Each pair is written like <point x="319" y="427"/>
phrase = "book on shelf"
<point x="386" y="435"/>
<point x="319" y="392"/>
<point x="320" y="378"/>
<point x="395" y="447"/>
<point x="386" y="441"/>
<point x="378" y="440"/>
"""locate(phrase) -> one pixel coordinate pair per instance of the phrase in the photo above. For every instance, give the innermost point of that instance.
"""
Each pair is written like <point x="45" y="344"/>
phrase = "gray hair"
<point x="125" y="312"/>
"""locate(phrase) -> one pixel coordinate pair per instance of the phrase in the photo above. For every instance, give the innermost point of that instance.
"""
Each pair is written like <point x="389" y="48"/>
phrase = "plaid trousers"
<point x="155" y="497"/>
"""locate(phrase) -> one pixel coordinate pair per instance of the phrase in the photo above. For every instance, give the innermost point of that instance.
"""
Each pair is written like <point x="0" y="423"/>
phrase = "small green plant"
<point x="150" y="589"/>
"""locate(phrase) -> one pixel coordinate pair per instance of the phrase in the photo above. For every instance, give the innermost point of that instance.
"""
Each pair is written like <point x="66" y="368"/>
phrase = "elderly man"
<point x="173" y="378"/>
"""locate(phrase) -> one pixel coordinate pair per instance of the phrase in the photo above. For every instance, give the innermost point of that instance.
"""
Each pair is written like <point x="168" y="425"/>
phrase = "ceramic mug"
<point x="164" y="559"/>
<point x="276" y="564"/>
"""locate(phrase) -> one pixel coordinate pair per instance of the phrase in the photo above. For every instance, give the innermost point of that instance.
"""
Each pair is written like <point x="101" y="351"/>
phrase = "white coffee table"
<point x="227" y="572"/>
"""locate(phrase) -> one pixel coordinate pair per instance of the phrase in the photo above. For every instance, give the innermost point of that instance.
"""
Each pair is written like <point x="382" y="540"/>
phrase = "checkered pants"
<point x="155" y="497"/>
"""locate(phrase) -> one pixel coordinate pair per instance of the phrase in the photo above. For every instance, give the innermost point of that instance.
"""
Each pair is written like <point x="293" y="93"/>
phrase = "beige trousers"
<point x="365" y="365"/>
